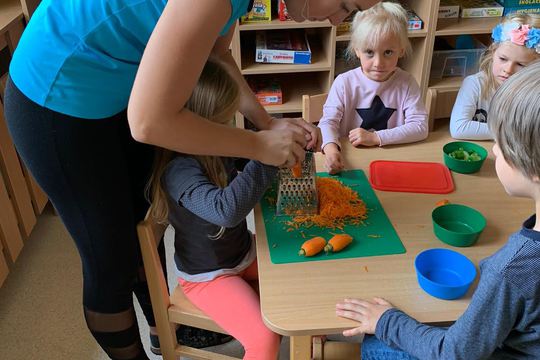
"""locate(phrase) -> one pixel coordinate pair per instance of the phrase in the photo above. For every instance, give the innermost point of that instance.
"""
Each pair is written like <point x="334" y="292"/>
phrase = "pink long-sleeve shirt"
<point x="393" y="108"/>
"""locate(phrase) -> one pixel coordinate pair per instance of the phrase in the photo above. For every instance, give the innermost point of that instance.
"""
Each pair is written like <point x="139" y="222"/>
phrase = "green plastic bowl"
<point x="457" y="225"/>
<point x="462" y="166"/>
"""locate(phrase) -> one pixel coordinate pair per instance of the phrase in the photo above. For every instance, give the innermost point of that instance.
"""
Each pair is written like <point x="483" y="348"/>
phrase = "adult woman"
<point x="66" y="105"/>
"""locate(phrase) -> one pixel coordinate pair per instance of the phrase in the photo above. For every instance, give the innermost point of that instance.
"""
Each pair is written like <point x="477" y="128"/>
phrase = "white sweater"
<point x="469" y="115"/>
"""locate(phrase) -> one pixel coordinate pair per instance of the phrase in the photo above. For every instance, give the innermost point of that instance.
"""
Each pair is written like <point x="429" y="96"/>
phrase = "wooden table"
<point x="298" y="300"/>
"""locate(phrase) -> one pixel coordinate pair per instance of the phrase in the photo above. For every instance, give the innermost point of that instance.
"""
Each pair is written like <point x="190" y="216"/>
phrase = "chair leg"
<point x="318" y="348"/>
<point x="339" y="350"/>
<point x="168" y="342"/>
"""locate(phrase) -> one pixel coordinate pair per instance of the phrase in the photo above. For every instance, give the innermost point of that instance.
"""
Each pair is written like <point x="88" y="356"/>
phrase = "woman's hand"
<point x="282" y="147"/>
<point x="361" y="136"/>
<point x="311" y="132"/>
<point x="367" y="313"/>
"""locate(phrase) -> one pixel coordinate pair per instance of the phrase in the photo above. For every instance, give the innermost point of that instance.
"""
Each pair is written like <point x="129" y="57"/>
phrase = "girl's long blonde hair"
<point x="215" y="97"/>
<point x="486" y="60"/>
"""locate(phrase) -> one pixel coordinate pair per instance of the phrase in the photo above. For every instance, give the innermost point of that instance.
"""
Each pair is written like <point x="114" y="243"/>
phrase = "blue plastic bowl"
<point x="444" y="273"/>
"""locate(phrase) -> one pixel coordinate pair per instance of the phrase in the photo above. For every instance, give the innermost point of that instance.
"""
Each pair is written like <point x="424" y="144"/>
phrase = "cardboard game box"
<point x="260" y="12"/>
<point x="480" y="8"/>
<point x="518" y="3"/>
<point x="282" y="47"/>
<point x="535" y="9"/>
<point x="346" y="24"/>
<point x="448" y="9"/>
<point x="267" y="90"/>
<point x="415" y="23"/>
<point x="283" y="15"/>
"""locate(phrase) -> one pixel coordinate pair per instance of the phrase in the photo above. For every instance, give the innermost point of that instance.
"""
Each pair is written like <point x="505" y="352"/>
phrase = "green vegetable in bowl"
<point x="461" y="154"/>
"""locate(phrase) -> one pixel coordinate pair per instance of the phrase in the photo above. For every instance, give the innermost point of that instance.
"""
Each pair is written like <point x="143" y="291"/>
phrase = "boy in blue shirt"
<point x="503" y="318"/>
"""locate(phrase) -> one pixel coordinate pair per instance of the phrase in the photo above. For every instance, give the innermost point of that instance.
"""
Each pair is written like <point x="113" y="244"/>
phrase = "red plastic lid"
<point x="409" y="176"/>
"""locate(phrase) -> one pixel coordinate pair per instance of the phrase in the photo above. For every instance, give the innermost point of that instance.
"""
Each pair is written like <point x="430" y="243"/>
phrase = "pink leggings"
<point x="233" y="304"/>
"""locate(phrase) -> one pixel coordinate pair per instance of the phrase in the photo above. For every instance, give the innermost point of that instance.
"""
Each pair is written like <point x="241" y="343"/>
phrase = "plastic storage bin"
<point x="458" y="62"/>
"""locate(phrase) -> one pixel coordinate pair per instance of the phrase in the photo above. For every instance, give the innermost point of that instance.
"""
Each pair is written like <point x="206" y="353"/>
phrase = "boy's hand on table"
<point x="367" y="313"/>
<point x="310" y="131"/>
<point x="361" y="136"/>
<point x="333" y="160"/>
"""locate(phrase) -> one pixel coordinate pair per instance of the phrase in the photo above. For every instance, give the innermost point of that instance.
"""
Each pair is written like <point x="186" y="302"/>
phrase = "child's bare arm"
<point x="170" y="67"/>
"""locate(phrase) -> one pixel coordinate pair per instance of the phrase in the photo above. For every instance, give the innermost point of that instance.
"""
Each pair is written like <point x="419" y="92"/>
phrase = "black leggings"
<point x="94" y="173"/>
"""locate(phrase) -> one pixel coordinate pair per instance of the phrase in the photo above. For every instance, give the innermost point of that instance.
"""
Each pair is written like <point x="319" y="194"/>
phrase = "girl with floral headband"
<point x="516" y="44"/>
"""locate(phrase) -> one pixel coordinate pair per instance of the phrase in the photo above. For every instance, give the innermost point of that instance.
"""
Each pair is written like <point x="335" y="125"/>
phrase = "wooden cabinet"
<point x="441" y="93"/>
<point x="21" y="199"/>
<point x="315" y="78"/>
<point x="295" y="79"/>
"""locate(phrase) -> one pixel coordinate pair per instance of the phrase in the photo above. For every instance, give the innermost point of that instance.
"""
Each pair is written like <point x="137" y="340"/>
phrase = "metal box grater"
<point x="298" y="195"/>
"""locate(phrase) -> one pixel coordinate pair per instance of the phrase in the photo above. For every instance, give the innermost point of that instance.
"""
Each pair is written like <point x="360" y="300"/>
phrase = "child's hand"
<point x="333" y="159"/>
<point x="361" y="136"/>
<point x="367" y="313"/>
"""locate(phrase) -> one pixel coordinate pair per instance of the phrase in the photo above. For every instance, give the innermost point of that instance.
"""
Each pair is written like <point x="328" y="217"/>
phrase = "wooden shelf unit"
<point x="441" y="93"/>
<point x="297" y="80"/>
<point x="21" y="199"/>
<point x="311" y="78"/>
<point x="324" y="57"/>
<point x="466" y="26"/>
<point x="346" y="36"/>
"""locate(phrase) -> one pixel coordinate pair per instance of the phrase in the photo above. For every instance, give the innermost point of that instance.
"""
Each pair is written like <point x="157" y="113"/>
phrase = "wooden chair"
<point x="174" y="309"/>
<point x="312" y="107"/>
<point x="334" y="350"/>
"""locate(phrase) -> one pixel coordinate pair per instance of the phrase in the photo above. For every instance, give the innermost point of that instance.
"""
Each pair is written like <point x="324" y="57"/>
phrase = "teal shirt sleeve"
<point x="239" y="8"/>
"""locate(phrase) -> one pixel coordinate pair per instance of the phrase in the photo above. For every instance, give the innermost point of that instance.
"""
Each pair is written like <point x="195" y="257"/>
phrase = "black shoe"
<point x="193" y="337"/>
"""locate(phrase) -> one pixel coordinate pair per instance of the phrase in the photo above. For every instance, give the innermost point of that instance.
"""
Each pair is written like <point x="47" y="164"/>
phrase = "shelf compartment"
<point x="466" y="26"/>
<point x="319" y="41"/>
<point x="446" y="84"/>
<point x="10" y="12"/>
<point x="276" y="24"/>
<point x="293" y="88"/>
<point x="411" y="62"/>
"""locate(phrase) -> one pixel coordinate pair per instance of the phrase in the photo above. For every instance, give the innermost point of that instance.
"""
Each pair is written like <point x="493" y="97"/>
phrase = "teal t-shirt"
<point x="80" y="57"/>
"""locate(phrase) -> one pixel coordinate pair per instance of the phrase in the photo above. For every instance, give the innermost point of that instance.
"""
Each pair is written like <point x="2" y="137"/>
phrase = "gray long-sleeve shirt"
<point x="502" y="320"/>
<point x="198" y="208"/>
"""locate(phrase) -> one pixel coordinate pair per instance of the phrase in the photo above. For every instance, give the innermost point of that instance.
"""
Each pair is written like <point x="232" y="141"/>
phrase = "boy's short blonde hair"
<point x="381" y="20"/>
<point x="514" y="120"/>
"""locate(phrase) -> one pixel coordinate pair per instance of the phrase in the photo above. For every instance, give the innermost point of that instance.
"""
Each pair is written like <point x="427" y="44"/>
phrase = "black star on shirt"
<point x="375" y="117"/>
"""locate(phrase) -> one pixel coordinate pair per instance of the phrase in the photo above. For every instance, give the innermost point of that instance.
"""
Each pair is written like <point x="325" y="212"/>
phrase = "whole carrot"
<point x="338" y="243"/>
<point x="312" y="246"/>
<point x="297" y="170"/>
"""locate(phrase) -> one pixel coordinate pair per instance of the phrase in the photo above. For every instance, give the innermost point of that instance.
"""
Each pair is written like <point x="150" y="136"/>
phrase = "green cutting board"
<point x="376" y="236"/>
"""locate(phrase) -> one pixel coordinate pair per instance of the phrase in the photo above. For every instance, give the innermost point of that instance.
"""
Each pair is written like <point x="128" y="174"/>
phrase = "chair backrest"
<point x="170" y="310"/>
<point x="312" y="107"/>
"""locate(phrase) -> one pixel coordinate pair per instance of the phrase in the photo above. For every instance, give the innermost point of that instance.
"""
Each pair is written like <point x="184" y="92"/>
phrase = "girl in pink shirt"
<point x="377" y="103"/>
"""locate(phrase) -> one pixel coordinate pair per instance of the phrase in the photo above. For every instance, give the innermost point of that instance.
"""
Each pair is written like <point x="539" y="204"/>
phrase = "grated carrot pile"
<point x="338" y="204"/>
